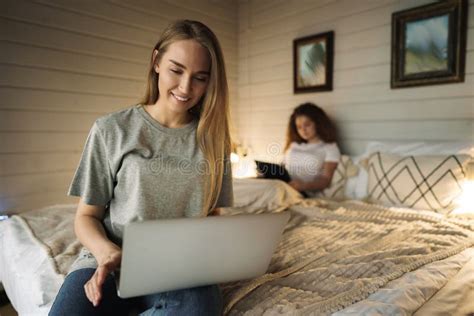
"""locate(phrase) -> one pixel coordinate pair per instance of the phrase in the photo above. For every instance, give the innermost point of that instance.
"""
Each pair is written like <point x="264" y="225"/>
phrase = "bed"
<point x="338" y="255"/>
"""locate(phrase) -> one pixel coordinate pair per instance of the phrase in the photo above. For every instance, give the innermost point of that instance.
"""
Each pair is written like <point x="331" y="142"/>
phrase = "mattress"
<point x="34" y="260"/>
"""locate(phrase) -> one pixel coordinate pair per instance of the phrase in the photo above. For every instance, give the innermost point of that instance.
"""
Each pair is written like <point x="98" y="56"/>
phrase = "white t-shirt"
<point x="306" y="161"/>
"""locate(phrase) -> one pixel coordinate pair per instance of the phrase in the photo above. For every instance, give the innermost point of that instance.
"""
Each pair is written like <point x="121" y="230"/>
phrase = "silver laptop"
<point x="172" y="254"/>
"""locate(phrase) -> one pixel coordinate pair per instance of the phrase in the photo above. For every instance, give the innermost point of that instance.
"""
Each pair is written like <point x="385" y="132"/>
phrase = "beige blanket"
<point x="332" y="254"/>
<point x="53" y="229"/>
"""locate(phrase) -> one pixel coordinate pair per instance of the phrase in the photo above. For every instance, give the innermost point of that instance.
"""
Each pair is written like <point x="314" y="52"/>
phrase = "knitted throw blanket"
<point x="340" y="253"/>
<point x="52" y="228"/>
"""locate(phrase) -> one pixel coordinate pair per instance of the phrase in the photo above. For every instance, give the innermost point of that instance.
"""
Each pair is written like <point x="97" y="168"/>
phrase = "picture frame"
<point x="313" y="60"/>
<point x="429" y="44"/>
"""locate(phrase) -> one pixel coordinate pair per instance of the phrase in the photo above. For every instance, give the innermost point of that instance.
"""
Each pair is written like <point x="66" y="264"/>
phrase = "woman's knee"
<point x="71" y="298"/>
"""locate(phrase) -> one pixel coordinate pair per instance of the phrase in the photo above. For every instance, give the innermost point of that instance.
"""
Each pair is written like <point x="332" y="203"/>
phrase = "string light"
<point x="466" y="200"/>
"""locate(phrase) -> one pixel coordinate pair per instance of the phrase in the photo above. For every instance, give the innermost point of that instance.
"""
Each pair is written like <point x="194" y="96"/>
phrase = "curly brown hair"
<point x="325" y="128"/>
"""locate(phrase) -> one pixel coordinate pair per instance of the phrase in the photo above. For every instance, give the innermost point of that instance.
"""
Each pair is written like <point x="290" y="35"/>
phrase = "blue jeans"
<point x="72" y="300"/>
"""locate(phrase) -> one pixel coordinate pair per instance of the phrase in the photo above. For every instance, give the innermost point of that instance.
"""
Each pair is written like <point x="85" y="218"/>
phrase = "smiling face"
<point x="306" y="128"/>
<point x="183" y="76"/>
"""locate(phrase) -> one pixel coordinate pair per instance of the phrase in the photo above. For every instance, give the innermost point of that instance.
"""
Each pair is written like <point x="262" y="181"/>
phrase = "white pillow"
<point x="422" y="182"/>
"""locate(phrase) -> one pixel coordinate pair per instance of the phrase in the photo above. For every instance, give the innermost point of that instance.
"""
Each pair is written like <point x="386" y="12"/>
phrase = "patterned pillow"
<point x="345" y="169"/>
<point x="420" y="182"/>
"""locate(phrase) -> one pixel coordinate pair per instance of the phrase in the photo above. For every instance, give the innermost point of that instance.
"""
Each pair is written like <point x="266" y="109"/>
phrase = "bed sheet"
<point x="456" y="297"/>
<point x="26" y="271"/>
<point x="417" y="291"/>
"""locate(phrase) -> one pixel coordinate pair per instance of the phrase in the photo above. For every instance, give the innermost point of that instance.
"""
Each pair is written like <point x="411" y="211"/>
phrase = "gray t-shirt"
<point x="142" y="170"/>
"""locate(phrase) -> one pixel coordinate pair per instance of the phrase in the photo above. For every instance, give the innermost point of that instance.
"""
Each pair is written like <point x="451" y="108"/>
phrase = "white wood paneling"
<point x="66" y="80"/>
<point x="65" y="63"/>
<point x="38" y="163"/>
<point x="310" y="14"/>
<point x="36" y="200"/>
<point x="13" y="186"/>
<point x="16" y="53"/>
<point x="16" y="30"/>
<point x="31" y="13"/>
<point x="24" y="98"/>
<point x="41" y="142"/>
<point x="41" y="121"/>
<point x="362" y="103"/>
<point x="399" y="110"/>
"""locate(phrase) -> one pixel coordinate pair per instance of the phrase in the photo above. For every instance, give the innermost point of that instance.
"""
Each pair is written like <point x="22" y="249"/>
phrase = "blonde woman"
<point x="164" y="158"/>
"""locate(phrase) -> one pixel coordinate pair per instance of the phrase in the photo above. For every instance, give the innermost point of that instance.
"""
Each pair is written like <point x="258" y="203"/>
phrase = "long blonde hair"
<point x="213" y="132"/>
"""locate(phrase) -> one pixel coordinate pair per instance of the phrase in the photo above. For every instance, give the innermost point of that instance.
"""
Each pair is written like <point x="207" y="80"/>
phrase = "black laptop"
<point x="270" y="170"/>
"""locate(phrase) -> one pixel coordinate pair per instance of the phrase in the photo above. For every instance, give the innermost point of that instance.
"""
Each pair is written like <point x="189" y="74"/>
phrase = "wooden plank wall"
<point x="362" y="103"/>
<point x="63" y="64"/>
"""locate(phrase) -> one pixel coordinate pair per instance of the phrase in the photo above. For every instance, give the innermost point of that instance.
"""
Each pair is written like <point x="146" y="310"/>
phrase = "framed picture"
<point x="313" y="58"/>
<point x="429" y="44"/>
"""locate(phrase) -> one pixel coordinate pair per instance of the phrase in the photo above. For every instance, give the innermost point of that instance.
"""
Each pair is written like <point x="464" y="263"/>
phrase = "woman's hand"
<point x="297" y="185"/>
<point x="107" y="264"/>
<point x="215" y="212"/>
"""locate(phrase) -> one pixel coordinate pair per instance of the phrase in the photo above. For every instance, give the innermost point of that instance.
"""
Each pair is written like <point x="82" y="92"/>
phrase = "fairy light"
<point x="243" y="166"/>
<point x="466" y="200"/>
<point x="234" y="158"/>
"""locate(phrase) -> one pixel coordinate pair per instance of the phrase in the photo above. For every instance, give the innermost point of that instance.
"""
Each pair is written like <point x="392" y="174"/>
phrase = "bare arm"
<point x="91" y="233"/>
<point x="320" y="182"/>
<point x="215" y="212"/>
